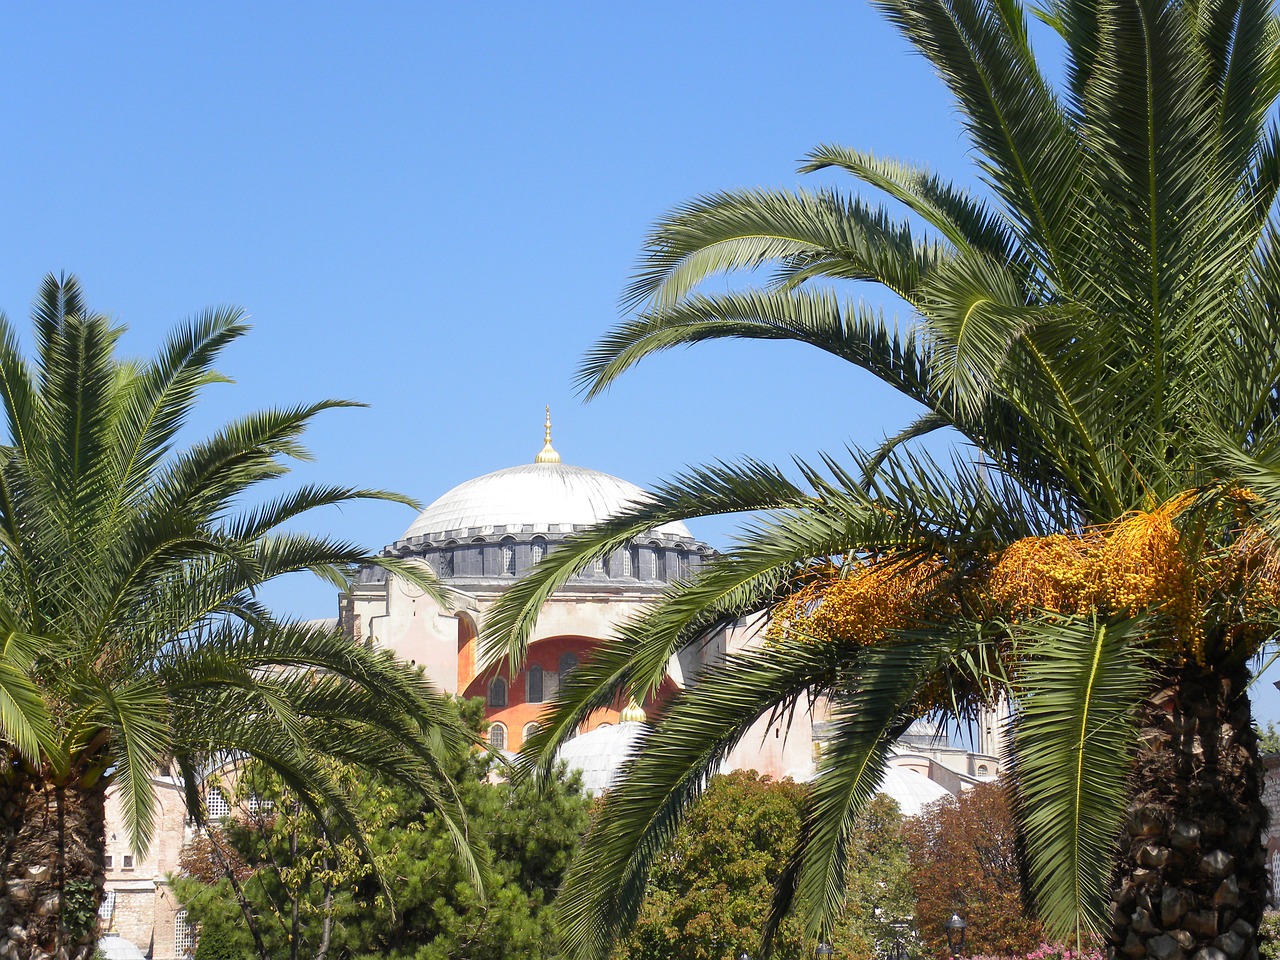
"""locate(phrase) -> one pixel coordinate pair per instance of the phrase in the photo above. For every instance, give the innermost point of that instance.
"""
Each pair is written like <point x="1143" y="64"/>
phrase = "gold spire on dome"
<point x="548" y="454"/>
<point x="633" y="713"/>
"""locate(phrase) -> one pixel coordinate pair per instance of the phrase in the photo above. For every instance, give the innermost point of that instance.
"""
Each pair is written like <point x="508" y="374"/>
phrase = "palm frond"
<point x="964" y="220"/>
<point x="1079" y="685"/>
<point x="841" y="327"/>
<point x="604" y="886"/>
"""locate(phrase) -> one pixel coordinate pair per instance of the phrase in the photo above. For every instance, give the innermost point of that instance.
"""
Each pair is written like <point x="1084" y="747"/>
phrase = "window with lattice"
<point x="498" y="736"/>
<point x="184" y="936"/>
<point x="216" y="806"/>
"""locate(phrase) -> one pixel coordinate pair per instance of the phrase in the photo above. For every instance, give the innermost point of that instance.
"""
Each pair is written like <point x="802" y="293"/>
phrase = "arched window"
<point x="497" y="736"/>
<point x="497" y="692"/>
<point x="659" y="561"/>
<point x="682" y="562"/>
<point x="539" y="546"/>
<point x="530" y="729"/>
<point x="568" y="664"/>
<point x="534" y="685"/>
<point x="633" y="557"/>
<point x="444" y="563"/>
<point x="509" y="557"/>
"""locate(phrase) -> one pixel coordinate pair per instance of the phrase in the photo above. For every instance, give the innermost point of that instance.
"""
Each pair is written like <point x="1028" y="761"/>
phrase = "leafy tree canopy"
<point x="964" y="860"/>
<point x="708" y="895"/>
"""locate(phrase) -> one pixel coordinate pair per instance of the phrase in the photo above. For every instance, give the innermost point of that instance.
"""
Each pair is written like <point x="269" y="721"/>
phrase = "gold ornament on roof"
<point x="548" y="454"/>
<point x="633" y="713"/>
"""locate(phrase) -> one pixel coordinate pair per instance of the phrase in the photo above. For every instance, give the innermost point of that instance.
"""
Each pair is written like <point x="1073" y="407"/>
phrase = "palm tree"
<point x="130" y="633"/>
<point x="1099" y="332"/>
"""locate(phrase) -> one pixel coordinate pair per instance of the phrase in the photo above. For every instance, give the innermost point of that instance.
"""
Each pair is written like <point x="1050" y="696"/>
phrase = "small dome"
<point x="543" y="497"/>
<point x="925" y="733"/>
<point x="599" y="754"/>
<point x="118" y="948"/>
<point x="913" y="791"/>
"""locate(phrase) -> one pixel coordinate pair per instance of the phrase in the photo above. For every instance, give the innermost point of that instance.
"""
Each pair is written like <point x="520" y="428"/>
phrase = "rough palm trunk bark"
<point x="54" y="851"/>
<point x="1193" y="882"/>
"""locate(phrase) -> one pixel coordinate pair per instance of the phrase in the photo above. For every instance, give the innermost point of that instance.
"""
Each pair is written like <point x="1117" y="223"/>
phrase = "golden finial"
<point x="548" y="454"/>
<point x="633" y="713"/>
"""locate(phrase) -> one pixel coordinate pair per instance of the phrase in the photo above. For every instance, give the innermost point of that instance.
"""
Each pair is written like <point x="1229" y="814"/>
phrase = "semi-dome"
<point x="913" y="791"/>
<point x="531" y="498"/>
<point x="599" y="755"/>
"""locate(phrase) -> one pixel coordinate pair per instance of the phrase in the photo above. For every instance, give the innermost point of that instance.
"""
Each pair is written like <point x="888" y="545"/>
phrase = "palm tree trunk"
<point x="54" y="849"/>
<point x="1192" y="881"/>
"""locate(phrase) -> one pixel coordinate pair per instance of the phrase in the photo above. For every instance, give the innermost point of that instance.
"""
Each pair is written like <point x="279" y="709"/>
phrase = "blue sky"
<point x="432" y="209"/>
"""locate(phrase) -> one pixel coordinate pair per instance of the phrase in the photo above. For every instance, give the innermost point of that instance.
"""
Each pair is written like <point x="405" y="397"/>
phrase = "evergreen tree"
<point x="314" y="900"/>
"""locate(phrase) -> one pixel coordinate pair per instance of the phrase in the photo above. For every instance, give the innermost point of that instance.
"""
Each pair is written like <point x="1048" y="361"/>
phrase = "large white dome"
<point x="531" y="498"/>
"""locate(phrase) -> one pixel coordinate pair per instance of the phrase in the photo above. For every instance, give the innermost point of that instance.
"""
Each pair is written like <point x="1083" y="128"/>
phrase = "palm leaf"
<point x="1079" y="686"/>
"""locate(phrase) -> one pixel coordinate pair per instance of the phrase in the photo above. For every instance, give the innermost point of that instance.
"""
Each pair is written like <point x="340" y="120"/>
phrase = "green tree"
<point x="708" y="895"/>
<point x="1268" y="738"/>
<point x="314" y="899"/>
<point x="130" y="633"/>
<point x="1098" y="332"/>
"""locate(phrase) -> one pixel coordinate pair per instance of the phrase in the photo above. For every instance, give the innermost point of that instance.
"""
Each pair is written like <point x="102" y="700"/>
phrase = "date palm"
<point x="1097" y="328"/>
<point x="130" y="633"/>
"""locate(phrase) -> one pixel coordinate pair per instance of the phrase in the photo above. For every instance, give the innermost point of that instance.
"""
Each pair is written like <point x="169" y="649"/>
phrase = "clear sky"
<point x="432" y="208"/>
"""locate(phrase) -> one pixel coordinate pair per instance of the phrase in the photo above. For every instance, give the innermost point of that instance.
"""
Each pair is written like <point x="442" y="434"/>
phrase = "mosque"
<point x="482" y="535"/>
<point x="479" y="538"/>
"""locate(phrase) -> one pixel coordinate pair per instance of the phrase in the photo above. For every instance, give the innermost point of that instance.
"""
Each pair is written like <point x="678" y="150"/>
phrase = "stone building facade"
<point x="482" y="536"/>
<point x="139" y="904"/>
<point x="1271" y="835"/>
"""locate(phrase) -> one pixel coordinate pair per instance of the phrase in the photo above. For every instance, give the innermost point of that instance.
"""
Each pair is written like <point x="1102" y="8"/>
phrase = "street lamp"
<point x="744" y="956"/>
<point x="825" y="950"/>
<point x="955" y="934"/>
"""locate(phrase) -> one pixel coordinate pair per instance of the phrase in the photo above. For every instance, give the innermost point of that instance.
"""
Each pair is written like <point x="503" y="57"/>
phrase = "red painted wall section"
<point x="466" y="651"/>
<point x="520" y="712"/>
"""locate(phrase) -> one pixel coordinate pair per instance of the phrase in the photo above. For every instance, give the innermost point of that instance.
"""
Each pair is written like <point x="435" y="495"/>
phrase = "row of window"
<point x="536" y="683"/>
<point x="651" y="565"/>
<point x="443" y="561"/>
<point x="218" y="807"/>
<point x="498" y="733"/>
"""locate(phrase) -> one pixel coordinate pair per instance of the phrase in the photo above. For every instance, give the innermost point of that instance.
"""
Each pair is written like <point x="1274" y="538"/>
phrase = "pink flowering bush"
<point x="1046" y="951"/>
